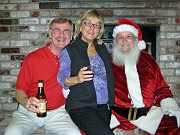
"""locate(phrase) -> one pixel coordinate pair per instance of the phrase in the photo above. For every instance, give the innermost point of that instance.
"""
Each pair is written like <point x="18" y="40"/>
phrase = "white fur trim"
<point x="151" y="121"/>
<point x="169" y="104"/>
<point x="141" y="45"/>
<point x="134" y="85"/>
<point x="125" y="27"/>
<point x="114" y="122"/>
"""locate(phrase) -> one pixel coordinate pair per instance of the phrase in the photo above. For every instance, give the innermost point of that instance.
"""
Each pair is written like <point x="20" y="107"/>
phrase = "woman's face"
<point x="90" y="29"/>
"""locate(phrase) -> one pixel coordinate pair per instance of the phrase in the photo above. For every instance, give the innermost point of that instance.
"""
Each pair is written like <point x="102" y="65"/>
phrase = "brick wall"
<point x="24" y="25"/>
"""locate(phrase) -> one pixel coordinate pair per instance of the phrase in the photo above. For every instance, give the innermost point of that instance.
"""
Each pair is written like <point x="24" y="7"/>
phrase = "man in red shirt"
<point x="43" y="64"/>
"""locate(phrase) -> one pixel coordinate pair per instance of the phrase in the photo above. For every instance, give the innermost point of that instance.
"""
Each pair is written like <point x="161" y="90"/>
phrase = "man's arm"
<point x="29" y="103"/>
<point x="21" y="97"/>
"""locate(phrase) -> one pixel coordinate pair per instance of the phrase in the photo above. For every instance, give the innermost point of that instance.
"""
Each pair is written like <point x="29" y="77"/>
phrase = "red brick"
<point x="4" y="72"/>
<point x="4" y="29"/>
<point x="49" y="5"/>
<point x="177" y="86"/>
<point x="35" y="13"/>
<point x="10" y="50"/>
<point x="145" y="12"/>
<point x="177" y="20"/>
<point x="156" y="20"/>
<point x="105" y="12"/>
<point x="8" y="21"/>
<point x="154" y="4"/>
<point x="91" y="4"/>
<point x="135" y="4"/>
<point x="35" y="0"/>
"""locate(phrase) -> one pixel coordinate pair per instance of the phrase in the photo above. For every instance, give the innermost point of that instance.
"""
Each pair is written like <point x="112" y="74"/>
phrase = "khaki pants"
<point x="57" y="122"/>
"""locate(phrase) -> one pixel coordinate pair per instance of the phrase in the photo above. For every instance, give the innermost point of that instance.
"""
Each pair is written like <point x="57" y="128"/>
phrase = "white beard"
<point x="120" y="58"/>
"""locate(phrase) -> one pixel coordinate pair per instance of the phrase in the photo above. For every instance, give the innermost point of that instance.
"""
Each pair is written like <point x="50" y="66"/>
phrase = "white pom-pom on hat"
<point x="141" y="45"/>
<point x="128" y="25"/>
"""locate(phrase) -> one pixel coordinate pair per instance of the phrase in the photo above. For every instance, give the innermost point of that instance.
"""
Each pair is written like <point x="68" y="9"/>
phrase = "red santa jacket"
<point x="153" y="86"/>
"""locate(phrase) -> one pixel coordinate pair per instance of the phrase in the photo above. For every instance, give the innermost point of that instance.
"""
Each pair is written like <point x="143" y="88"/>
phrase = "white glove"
<point x="176" y="114"/>
<point x="65" y="92"/>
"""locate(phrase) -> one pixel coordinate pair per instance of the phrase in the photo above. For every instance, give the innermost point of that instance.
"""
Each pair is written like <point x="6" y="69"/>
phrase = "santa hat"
<point x="128" y="25"/>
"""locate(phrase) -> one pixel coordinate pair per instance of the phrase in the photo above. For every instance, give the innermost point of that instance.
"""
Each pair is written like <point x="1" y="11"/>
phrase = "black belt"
<point x="132" y="113"/>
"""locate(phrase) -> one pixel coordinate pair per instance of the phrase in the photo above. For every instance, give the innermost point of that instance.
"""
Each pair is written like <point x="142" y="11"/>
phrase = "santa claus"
<point x="143" y="99"/>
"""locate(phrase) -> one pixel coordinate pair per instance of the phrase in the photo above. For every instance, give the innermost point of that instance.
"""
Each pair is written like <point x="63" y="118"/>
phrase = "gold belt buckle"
<point x="134" y="113"/>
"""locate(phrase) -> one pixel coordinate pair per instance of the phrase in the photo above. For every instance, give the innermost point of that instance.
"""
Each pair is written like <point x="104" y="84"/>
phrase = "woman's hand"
<point x="85" y="75"/>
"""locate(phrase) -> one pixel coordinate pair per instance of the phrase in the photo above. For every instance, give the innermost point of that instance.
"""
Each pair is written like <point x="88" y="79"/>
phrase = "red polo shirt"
<point x="41" y="64"/>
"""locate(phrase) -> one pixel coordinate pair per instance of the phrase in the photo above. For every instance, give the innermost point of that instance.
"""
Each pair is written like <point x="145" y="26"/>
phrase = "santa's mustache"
<point x="124" y="44"/>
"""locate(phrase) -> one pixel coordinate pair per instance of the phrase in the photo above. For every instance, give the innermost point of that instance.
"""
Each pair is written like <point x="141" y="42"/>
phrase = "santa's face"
<point x="125" y="49"/>
<point x="125" y="41"/>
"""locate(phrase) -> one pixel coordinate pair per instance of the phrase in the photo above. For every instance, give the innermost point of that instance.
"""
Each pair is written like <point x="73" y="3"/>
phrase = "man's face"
<point x="125" y="41"/>
<point x="60" y="34"/>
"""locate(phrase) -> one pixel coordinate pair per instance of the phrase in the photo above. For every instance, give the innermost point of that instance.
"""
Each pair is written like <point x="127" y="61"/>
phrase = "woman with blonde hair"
<point x="91" y="91"/>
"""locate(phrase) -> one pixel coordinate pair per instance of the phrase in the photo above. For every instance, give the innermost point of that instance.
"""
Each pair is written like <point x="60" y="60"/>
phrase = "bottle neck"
<point x="40" y="90"/>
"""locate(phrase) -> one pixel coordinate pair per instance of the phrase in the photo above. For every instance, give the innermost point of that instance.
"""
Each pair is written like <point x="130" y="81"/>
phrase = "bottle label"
<point x="42" y="108"/>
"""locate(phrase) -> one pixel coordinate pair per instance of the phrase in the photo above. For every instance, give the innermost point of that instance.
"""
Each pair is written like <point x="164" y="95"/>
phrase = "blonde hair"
<point x="87" y="14"/>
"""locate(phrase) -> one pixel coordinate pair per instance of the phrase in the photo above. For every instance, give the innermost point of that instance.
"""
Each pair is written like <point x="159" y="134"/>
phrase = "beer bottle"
<point x="42" y="97"/>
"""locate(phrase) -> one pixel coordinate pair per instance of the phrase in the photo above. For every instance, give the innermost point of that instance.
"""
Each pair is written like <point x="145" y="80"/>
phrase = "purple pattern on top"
<point x="99" y="79"/>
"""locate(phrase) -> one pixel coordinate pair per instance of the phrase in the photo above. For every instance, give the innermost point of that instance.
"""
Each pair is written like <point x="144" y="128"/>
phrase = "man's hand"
<point x="32" y="104"/>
